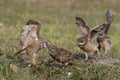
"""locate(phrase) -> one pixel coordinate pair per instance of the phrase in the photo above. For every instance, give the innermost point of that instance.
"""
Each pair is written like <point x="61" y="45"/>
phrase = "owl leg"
<point x="106" y="53"/>
<point x="97" y="56"/>
<point x="32" y="57"/>
<point x="86" y="56"/>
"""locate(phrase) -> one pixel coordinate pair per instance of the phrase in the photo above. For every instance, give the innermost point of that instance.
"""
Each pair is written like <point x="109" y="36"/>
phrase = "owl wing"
<point x="98" y="29"/>
<point x="109" y="17"/>
<point x="64" y="51"/>
<point x="84" y="29"/>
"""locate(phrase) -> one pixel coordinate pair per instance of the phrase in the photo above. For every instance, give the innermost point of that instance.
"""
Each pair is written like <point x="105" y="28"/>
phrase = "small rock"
<point x="13" y="67"/>
<point x="69" y="74"/>
<point x="1" y="24"/>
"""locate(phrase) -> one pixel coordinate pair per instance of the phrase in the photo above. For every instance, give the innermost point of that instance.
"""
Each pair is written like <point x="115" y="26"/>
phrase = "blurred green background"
<point x="57" y="18"/>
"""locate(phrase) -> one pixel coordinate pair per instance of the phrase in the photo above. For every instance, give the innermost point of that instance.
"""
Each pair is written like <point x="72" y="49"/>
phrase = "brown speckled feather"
<point x="84" y="29"/>
<point x="60" y="54"/>
<point x="103" y="40"/>
<point x="85" y="41"/>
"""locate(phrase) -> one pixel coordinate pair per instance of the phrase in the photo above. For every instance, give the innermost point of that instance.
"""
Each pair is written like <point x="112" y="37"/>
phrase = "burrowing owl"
<point x="85" y="41"/>
<point x="60" y="54"/>
<point x="103" y="40"/>
<point x="30" y="42"/>
<point x="32" y="49"/>
<point x="33" y="33"/>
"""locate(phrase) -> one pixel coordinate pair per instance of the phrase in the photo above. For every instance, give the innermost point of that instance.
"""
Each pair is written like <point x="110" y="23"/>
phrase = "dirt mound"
<point x="109" y="61"/>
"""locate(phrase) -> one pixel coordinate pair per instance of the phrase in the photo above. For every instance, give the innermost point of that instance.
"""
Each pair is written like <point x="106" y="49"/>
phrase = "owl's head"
<point x="33" y="22"/>
<point x="81" y="41"/>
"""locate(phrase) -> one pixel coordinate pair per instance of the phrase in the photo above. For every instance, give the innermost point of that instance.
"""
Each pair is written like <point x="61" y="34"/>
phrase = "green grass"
<point x="58" y="25"/>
